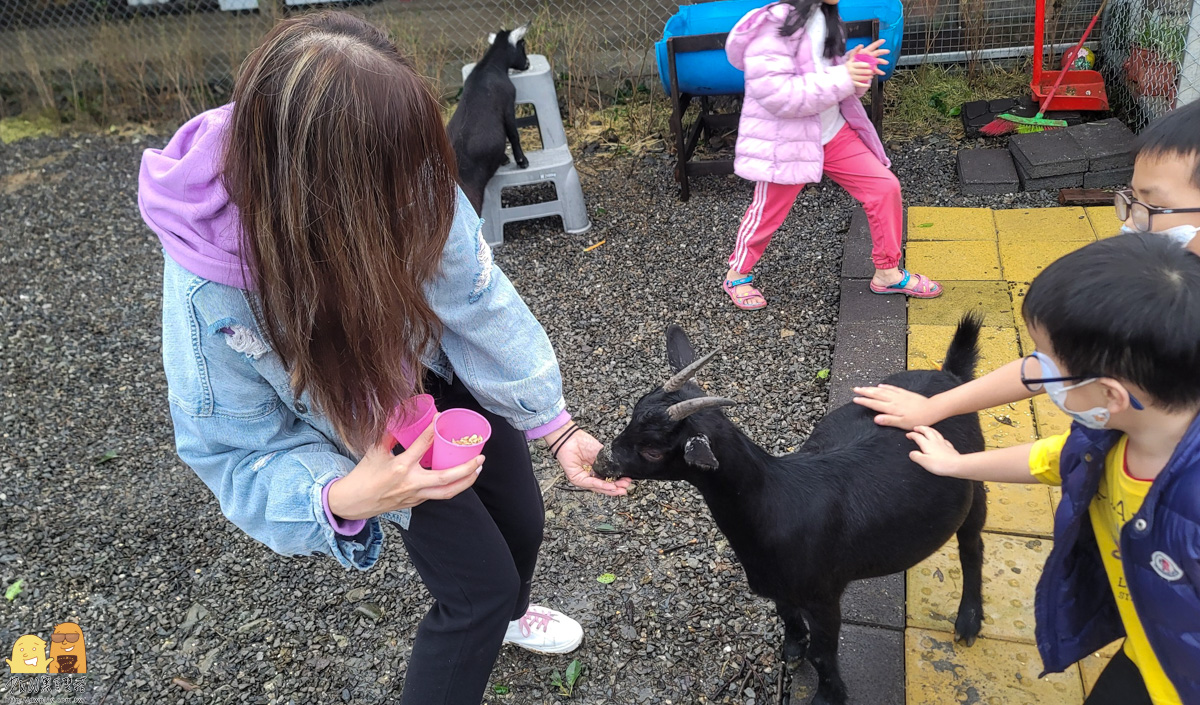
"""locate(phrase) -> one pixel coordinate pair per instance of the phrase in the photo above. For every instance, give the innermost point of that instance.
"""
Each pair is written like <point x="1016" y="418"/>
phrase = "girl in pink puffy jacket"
<point x="802" y="117"/>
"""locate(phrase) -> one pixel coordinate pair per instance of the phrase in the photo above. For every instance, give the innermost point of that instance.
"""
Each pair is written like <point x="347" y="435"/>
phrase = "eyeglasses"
<point x="1037" y="363"/>
<point x="1033" y="365"/>
<point x="1127" y="205"/>
<point x="69" y="638"/>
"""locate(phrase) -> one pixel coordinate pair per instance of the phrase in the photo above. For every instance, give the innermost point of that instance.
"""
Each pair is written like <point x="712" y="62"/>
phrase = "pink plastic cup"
<point x="453" y="425"/>
<point x="867" y="59"/>
<point x="409" y="427"/>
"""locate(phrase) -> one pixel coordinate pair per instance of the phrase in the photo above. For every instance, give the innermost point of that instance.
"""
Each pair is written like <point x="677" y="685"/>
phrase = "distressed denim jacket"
<point x="267" y="455"/>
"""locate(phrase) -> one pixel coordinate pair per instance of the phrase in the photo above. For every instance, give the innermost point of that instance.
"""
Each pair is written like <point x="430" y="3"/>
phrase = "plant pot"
<point x="1151" y="74"/>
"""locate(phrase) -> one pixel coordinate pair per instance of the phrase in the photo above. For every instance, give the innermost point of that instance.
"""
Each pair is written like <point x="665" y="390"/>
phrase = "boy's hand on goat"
<point x="936" y="454"/>
<point x="577" y="456"/>
<point x="898" y="407"/>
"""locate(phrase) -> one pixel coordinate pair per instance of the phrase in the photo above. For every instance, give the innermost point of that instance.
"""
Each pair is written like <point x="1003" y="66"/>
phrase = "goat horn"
<point x="681" y="378"/>
<point x="687" y="407"/>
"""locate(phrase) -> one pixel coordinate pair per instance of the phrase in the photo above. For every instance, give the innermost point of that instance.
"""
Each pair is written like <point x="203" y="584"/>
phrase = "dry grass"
<point x="923" y="100"/>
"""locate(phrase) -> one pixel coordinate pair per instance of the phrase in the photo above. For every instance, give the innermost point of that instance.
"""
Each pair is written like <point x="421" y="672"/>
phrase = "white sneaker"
<point x="545" y="631"/>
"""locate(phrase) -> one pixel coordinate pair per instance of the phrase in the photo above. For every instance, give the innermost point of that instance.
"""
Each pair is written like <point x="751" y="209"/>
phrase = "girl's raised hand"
<point x="860" y="73"/>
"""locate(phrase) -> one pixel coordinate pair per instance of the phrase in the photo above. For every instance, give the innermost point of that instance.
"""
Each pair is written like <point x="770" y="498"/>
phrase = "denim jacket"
<point x="267" y="455"/>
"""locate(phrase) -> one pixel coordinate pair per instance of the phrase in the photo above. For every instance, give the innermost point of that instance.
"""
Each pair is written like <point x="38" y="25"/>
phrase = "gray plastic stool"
<point x="551" y="163"/>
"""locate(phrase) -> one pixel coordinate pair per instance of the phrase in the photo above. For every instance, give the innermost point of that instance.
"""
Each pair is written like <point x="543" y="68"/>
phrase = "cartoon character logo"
<point x="67" y="653"/>
<point x="28" y="655"/>
<point x="1165" y="566"/>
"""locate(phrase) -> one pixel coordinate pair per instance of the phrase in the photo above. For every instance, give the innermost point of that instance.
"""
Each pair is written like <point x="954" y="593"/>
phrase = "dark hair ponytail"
<point x="798" y="16"/>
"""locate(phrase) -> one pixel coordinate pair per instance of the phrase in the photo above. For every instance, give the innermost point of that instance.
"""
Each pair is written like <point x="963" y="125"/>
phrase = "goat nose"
<point x="602" y="464"/>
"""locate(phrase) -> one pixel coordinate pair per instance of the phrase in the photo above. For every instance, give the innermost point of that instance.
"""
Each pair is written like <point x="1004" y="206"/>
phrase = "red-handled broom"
<point x="1008" y="123"/>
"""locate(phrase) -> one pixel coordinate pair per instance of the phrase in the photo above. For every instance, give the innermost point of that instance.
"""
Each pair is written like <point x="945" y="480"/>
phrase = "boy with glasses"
<point x="1165" y="197"/>
<point x="1117" y="330"/>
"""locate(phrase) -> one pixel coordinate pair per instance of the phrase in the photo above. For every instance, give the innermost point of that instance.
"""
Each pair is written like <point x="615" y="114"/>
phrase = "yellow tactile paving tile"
<point x="1090" y="667"/>
<point x="951" y="224"/>
<point x="989" y="298"/>
<point x="1043" y="225"/>
<point x="1008" y="425"/>
<point x="954" y="260"/>
<point x="990" y="672"/>
<point x="1051" y="421"/>
<point x="1104" y="220"/>
<point x="1011" y="568"/>
<point x="1024" y="260"/>
<point x="927" y="347"/>
<point x="1020" y="509"/>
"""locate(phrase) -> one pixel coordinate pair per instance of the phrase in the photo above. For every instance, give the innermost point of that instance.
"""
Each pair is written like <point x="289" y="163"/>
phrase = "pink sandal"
<point x="925" y="288"/>
<point x="730" y="288"/>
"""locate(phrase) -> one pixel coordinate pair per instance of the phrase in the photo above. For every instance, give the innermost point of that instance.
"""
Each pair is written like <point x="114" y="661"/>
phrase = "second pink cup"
<point x="457" y="425"/>
<point x="408" y="428"/>
<point x="867" y="59"/>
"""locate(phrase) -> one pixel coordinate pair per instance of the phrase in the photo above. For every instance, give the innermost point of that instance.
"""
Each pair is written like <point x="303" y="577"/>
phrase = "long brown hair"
<point x="340" y="166"/>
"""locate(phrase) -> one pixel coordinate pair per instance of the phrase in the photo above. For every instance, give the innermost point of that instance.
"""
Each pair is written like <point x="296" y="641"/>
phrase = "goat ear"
<point x="679" y="349"/>
<point x="698" y="453"/>
<point x="491" y="38"/>
<point x="518" y="34"/>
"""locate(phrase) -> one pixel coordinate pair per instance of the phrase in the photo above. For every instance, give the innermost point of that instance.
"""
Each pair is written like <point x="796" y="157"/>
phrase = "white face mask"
<point x="1182" y="234"/>
<point x="1096" y="417"/>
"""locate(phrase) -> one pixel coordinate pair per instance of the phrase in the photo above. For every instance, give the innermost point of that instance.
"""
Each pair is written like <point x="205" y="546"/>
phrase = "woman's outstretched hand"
<point x="577" y="455"/>
<point x="382" y="482"/>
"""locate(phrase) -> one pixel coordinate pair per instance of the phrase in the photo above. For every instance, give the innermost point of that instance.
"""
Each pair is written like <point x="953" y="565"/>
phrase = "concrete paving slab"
<point x="950" y="224"/>
<point x="987" y="172"/>
<point x="856" y="253"/>
<point x="940" y="672"/>
<point x="990" y="298"/>
<point x="1022" y="261"/>
<point x="1020" y="509"/>
<point x="1049" y="183"/>
<point x="1009" y="424"/>
<point x="1012" y="566"/>
<point x="1104" y="220"/>
<point x="864" y="354"/>
<point x="872" y="662"/>
<point x="878" y="601"/>
<point x="1051" y="421"/>
<point x="1108" y="179"/>
<point x="1108" y="144"/>
<point x="860" y="305"/>
<point x="955" y="260"/>
<point x="1045" y="154"/>
<point x="927" y="347"/>
<point x="1041" y="224"/>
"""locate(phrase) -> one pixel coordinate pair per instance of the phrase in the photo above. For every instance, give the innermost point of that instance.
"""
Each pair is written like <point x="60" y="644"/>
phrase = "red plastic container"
<point x="1080" y="90"/>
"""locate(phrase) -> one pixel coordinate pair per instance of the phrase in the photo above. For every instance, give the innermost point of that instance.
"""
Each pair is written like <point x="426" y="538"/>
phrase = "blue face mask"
<point x="1182" y="234"/>
<point x="1096" y="418"/>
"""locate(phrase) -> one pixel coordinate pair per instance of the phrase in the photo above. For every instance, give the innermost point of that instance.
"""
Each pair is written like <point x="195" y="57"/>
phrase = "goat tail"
<point x="963" y="353"/>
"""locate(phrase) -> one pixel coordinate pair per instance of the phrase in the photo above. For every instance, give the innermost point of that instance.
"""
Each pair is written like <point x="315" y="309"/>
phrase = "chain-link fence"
<point x="154" y="57"/>
<point x="1151" y="56"/>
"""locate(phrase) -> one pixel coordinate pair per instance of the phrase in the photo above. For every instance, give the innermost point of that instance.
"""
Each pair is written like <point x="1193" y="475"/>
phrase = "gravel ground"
<point x="134" y="547"/>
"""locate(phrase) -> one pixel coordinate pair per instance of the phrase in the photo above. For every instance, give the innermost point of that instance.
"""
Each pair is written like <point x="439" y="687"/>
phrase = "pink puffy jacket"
<point x="779" y="136"/>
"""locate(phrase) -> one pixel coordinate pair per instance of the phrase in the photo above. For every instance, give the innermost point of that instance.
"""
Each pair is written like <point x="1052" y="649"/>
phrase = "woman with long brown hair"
<point x="323" y="268"/>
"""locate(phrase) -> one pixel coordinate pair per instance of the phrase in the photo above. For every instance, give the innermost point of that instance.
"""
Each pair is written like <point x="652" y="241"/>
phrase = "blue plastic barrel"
<point x="710" y="73"/>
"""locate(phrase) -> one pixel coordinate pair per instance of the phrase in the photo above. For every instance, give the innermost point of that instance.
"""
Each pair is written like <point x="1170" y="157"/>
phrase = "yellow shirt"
<point x="1117" y="500"/>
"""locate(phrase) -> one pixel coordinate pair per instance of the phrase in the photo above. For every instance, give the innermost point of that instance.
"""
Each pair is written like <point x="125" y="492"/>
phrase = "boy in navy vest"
<point x="1116" y="326"/>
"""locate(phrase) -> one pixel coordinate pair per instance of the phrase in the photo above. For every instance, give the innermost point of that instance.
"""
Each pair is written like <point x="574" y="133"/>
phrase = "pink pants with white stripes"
<point x="854" y="168"/>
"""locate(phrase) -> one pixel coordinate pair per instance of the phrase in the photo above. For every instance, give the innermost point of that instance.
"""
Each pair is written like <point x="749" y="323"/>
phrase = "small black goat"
<point x="848" y="505"/>
<point x="487" y="115"/>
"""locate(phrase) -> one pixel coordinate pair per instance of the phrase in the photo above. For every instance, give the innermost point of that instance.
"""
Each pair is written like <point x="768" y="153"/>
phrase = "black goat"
<point x="848" y="505"/>
<point x="487" y="115"/>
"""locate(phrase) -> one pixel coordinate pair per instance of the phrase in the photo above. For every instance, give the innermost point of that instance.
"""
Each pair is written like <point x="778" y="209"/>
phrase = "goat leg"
<point x="795" y="633"/>
<point x="970" y="554"/>
<point x="825" y="621"/>
<point x="514" y="137"/>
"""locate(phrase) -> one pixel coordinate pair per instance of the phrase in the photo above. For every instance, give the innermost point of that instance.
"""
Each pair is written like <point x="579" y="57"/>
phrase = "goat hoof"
<point x="968" y="625"/>
<point x="523" y="163"/>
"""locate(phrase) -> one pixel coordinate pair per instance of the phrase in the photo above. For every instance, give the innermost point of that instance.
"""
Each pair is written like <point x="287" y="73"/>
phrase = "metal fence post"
<point x="1189" y="72"/>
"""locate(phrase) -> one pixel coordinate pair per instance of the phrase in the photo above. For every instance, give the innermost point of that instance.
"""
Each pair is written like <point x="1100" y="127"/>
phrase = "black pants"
<point x="476" y="553"/>
<point x="1120" y="683"/>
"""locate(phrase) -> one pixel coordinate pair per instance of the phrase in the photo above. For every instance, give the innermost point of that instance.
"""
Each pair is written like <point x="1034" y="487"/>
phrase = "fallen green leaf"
<point x="606" y="578"/>
<point x="574" y="670"/>
<point x="925" y="225"/>
<point x="500" y="689"/>
<point x="956" y="111"/>
<point x="557" y="682"/>
<point x="108" y="455"/>
<point x="823" y="374"/>
<point x="13" y="590"/>
<point x="605" y="527"/>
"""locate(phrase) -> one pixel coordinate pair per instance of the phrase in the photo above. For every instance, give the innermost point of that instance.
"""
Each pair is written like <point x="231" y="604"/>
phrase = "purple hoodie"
<point x="182" y="199"/>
